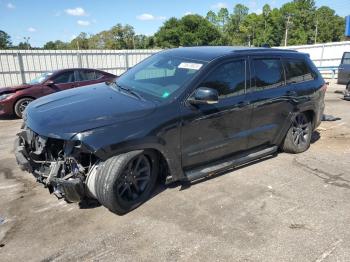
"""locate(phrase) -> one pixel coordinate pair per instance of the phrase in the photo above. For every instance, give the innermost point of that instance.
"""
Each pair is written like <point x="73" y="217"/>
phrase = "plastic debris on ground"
<point x="330" y="118"/>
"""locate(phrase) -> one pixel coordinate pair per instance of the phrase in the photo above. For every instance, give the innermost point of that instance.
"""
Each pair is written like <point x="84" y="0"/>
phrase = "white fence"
<point x="326" y="57"/>
<point x="20" y="66"/>
<point x="323" y="55"/>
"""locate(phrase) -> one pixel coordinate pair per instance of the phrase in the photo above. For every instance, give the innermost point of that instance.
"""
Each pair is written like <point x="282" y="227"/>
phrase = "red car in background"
<point x="13" y="100"/>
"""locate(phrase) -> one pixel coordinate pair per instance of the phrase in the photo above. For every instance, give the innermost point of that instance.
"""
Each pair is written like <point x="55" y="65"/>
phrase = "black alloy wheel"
<point x="134" y="179"/>
<point x="301" y="130"/>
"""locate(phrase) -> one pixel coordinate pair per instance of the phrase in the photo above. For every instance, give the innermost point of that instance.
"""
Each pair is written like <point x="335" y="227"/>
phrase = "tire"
<point x="116" y="186"/>
<point x="21" y="105"/>
<point x="298" y="137"/>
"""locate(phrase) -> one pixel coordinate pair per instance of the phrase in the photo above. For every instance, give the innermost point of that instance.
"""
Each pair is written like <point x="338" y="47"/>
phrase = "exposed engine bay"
<point x="62" y="166"/>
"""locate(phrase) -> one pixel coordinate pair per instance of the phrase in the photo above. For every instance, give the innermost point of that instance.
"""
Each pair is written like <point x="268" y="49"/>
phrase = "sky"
<point x="46" y="20"/>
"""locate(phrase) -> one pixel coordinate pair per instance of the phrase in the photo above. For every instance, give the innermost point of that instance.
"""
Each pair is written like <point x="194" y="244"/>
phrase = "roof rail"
<point x="264" y="50"/>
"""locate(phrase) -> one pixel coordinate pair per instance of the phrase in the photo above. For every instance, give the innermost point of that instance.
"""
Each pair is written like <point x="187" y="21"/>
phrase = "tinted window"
<point x="66" y="77"/>
<point x="86" y="75"/>
<point x="268" y="73"/>
<point x="228" y="79"/>
<point x="346" y="58"/>
<point x="297" y="71"/>
<point x="98" y="75"/>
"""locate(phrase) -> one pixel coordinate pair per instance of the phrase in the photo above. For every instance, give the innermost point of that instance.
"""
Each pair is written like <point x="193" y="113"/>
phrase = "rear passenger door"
<point x="88" y="77"/>
<point x="269" y="97"/>
<point x="344" y="69"/>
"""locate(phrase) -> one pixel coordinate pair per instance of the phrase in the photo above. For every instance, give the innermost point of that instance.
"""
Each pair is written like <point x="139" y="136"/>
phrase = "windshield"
<point x="160" y="75"/>
<point x="41" y="78"/>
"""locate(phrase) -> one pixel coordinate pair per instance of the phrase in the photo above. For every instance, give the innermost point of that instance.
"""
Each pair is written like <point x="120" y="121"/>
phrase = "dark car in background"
<point x="181" y="114"/>
<point x="344" y="71"/>
<point x="13" y="100"/>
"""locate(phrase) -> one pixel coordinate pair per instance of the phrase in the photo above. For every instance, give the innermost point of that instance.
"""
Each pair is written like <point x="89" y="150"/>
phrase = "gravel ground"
<point x="285" y="208"/>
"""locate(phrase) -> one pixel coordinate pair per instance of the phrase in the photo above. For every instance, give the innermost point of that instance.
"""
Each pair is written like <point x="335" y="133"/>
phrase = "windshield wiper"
<point x="129" y="90"/>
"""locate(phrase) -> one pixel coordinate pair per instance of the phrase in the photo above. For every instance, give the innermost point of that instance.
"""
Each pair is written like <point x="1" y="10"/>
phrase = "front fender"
<point x="139" y="134"/>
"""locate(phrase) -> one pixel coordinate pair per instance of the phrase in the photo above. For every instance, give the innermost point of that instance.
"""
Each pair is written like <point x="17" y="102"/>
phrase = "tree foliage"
<point x="305" y="23"/>
<point x="5" y="40"/>
<point x="187" y="31"/>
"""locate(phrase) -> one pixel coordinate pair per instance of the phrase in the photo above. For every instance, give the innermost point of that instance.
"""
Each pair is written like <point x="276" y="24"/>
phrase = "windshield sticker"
<point x="165" y="94"/>
<point x="193" y="66"/>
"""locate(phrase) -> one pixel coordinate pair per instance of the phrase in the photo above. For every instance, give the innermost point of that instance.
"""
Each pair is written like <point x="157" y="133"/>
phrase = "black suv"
<point x="181" y="114"/>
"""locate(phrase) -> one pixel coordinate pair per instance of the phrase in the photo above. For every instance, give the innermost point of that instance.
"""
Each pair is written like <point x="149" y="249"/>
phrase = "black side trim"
<point x="221" y="165"/>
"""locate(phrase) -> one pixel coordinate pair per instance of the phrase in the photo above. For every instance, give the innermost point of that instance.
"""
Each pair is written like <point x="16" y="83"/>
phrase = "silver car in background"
<point x="344" y="71"/>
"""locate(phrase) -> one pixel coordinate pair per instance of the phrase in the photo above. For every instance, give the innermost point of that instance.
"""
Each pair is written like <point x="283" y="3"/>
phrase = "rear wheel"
<point x="21" y="105"/>
<point x="298" y="136"/>
<point x="125" y="181"/>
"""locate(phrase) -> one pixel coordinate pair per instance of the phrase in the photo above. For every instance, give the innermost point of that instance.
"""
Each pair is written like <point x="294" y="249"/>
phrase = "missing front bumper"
<point x="71" y="189"/>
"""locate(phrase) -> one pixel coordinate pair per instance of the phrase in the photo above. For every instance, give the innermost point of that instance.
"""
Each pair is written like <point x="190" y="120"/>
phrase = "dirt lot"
<point x="286" y="208"/>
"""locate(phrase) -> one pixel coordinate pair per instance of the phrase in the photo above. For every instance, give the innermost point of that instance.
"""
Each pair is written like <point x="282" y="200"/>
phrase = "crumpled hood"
<point x="64" y="114"/>
<point x="13" y="88"/>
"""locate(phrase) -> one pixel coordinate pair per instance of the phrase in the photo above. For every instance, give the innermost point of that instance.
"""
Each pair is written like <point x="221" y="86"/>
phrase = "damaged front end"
<point x="62" y="166"/>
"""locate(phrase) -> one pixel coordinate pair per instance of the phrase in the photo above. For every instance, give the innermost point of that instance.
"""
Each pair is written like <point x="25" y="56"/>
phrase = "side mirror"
<point x="204" y="95"/>
<point x="49" y="83"/>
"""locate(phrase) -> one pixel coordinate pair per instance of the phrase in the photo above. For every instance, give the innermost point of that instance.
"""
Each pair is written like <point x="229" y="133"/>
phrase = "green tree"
<point x="5" y="40"/>
<point x="56" y="45"/>
<point x="169" y="34"/>
<point x="237" y="34"/>
<point x="301" y="15"/>
<point x="223" y="17"/>
<point x="329" y="25"/>
<point x="80" y="42"/>
<point x="190" y="30"/>
<point x="212" y="17"/>
<point x="118" y="37"/>
<point x="23" y="46"/>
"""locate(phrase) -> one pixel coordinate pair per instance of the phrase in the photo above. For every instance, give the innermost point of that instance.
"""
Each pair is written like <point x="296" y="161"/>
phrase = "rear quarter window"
<point x="268" y="73"/>
<point x="297" y="71"/>
<point x="346" y="58"/>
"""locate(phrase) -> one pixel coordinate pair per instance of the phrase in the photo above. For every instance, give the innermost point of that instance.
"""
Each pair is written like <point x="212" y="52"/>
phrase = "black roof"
<point x="209" y="53"/>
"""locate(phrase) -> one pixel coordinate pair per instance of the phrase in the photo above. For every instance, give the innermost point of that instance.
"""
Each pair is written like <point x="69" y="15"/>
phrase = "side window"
<point x="98" y="75"/>
<point x="87" y="75"/>
<point x="346" y="58"/>
<point x="268" y="73"/>
<point x="228" y="79"/>
<point x="66" y="77"/>
<point x="297" y="71"/>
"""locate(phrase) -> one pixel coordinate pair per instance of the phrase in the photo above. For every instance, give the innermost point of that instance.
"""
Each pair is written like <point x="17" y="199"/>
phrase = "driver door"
<point x="212" y="131"/>
<point x="61" y="81"/>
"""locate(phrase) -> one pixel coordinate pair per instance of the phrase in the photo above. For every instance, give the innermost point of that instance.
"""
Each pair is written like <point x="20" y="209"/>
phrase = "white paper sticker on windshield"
<point x="193" y="66"/>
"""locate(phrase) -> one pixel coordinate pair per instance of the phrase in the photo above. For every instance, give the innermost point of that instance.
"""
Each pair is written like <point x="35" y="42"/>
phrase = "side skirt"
<point x="227" y="163"/>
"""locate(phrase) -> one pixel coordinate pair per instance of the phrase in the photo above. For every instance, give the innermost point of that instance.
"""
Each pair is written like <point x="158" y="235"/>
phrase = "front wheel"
<point x="298" y="137"/>
<point x="21" y="105"/>
<point x="126" y="181"/>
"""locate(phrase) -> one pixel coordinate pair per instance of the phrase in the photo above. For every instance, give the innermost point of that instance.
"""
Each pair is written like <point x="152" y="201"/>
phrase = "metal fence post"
<point x="80" y="64"/>
<point x="322" y="55"/>
<point x="21" y="67"/>
<point x="126" y="61"/>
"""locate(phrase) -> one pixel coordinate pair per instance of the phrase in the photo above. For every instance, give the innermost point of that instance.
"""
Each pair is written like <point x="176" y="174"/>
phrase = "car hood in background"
<point x="14" y="88"/>
<point x="64" y="114"/>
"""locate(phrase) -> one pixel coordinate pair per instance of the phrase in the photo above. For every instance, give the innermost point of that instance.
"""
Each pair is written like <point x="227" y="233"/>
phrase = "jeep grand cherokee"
<point x="182" y="113"/>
